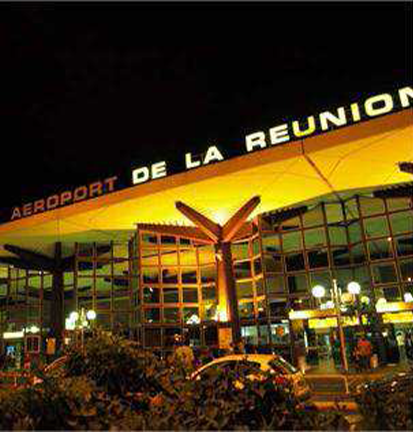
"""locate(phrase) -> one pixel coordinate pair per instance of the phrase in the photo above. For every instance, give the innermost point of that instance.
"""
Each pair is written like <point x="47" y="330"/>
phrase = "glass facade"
<point x="156" y="286"/>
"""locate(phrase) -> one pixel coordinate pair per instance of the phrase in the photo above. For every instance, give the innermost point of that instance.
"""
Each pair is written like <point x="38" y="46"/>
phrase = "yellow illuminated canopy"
<point x="363" y="155"/>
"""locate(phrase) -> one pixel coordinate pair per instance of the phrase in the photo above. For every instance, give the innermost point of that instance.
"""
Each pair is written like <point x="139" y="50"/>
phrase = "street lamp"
<point x="354" y="288"/>
<point x="319" y="291"/>
<point x="80" y="321"/>
<point x="408" y="297"/>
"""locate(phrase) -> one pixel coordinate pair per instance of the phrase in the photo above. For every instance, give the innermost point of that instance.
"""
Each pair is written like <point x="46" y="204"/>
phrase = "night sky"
<point x="91" y="90"/>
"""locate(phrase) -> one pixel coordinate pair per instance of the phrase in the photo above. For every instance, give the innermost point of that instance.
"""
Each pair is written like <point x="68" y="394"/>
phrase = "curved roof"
<point x="358" y="156"/>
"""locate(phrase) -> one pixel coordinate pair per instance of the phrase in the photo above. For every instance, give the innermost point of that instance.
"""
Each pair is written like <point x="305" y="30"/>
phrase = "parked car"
<point x="256" y="366"/>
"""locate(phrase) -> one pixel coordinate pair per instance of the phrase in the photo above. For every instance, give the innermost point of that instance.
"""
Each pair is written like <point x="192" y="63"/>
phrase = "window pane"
<point x="354" y="232"/>
<point x="171" y="314"/>
<point x="244" y="290"/>
<point x="152" y="315"/>
<point x="187" y="257"/>
<point x="149" y="239"/>
<point x="406" y="269"/>
<point x="189" y="276"/>
<point x="208" y="274"/>
<point x="341" y="256"/>
<point x="404" y="245"/>
<point x="292" y="241"/>
<point x="313" y="217"/>
<point x="398" y="203"/>
<point x="206" y="254"/>
<point x="259" y="287"/>
<point x="255" y="246"/>
<point x="239" y="251"/>
<point x="376" y="227"/>
<point x="379" y="249"/>
<point x="151" y="295"/>
<point x="371" y="206"/>
<point x="294" y="262"/>
<point x="273" y="263"/>
<point x="209" y="293"/>
<point x="297" y="283"/>
<point x="167" y="240"/>
<point x="337" y="234"/>
<point x="384" y="273"/>
<point x="401" y="222"/>
<point x="278" y="307"/>
<point x="149" y="257"/>
<point x="392" y="294"/>
<point x="318" y="258"/>
<point x="150" y="274"/>
<point x="170" y="275"/>
<point x="257" y="266"/>
<point x="358" y="254"/>
<point x="190" y="295"/>
<point x="321" y="278"/>
<point x="275" y="284"/>
<point x="243" y="270"/>
<point x="315" y="237"/>
<point x="171" y="295"/>
<point x="271" y="242"/>
<point x="169" y="257"/>
<point x="334" y="213"/>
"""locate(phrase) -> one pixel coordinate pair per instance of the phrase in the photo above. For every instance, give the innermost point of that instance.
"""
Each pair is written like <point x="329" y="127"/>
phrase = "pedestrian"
<point x="408" y="342"/>
<point x="364" y="352"/>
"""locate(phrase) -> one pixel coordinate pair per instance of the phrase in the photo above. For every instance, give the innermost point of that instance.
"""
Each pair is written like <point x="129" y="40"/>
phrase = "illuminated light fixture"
<point x="354" y="288"/>
<point x="74" y="316"/>
<point x="13" y="335"/>
<point x="381" y="304"/>
<point x="365" y="300"/>
<point x="329" y="304"/>
<point x="318" y="291"/>
<point x="33" y="329"/>
<point x="389" y="239"/>
<point x="91" y="315"/>
<point x="194" y="319"/>
<point x="69" y="324"/>
<point x="408" y="297"/>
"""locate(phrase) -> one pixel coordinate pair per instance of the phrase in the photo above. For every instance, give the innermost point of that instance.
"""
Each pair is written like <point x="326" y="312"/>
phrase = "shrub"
<point x="114" y="385"/>
<point x="387" y="404"/>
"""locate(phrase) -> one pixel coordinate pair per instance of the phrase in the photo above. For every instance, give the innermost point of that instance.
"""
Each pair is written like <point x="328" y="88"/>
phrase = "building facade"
<point x="231" y="249"/>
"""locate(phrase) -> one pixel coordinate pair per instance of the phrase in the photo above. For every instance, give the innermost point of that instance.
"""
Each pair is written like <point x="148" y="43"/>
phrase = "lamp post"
<point x="80" y="321"/>
<point x="337" y="306"/>
<point x="318" y="292"/>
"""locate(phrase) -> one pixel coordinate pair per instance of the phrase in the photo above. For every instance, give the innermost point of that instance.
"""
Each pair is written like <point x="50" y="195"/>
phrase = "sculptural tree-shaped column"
<point x="222" y="236"/>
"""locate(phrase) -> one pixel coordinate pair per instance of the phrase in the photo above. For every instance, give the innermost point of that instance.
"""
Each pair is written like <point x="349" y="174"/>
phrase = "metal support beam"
<point x="211" y="229"/>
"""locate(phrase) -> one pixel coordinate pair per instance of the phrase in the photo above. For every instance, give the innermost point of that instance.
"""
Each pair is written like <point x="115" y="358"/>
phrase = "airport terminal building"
<point x="230" y="247"/>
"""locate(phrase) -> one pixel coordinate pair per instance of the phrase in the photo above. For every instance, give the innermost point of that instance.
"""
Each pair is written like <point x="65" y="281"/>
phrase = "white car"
<point x="251" y="363"/>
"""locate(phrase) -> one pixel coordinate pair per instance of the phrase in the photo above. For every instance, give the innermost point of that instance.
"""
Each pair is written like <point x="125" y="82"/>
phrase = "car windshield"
<point x="279" y="363"/>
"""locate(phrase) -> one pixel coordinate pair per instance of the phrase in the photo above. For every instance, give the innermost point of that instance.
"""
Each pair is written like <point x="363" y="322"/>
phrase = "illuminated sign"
<point x="399" y="317"/>
<point x="294" y="130"/>
<point x="282" y="133"/>
<point x="68" y="197"/>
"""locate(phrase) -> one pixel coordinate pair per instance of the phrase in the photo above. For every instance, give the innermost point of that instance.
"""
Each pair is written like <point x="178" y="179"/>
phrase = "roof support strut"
<point x="222" y="237"/>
